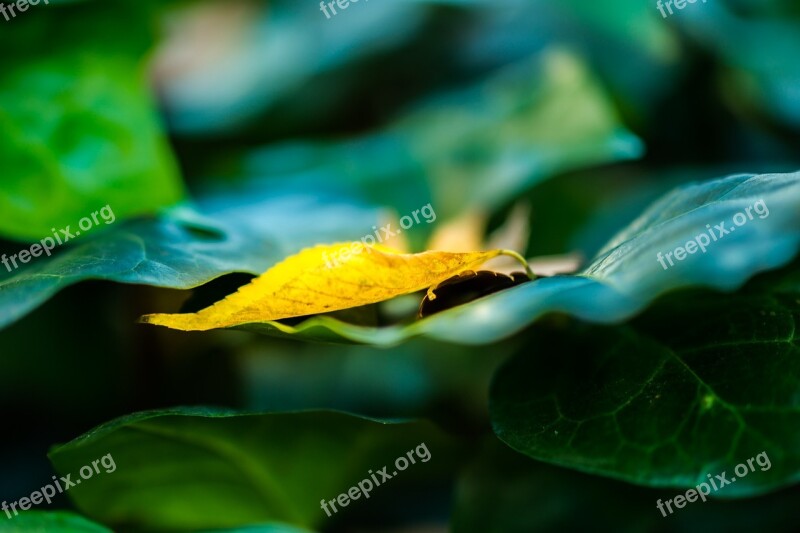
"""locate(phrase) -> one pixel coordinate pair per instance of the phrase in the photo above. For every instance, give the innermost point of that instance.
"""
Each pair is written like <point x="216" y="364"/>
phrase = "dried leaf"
<point x="327" y="278"/>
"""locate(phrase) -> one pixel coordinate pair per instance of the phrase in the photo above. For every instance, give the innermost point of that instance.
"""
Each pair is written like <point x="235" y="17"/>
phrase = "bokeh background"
<point x="313" y="129"/>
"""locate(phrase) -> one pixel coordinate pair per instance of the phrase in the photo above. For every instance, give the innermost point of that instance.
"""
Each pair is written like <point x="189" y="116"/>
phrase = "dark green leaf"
<point x="698" y="385"/>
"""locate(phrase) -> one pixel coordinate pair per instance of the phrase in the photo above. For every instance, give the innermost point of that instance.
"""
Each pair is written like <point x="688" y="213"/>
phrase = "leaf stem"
<point x="518" y="257"/>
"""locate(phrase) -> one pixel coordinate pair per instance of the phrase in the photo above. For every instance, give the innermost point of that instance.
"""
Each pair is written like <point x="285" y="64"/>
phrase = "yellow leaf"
<point x="327" y="278"/>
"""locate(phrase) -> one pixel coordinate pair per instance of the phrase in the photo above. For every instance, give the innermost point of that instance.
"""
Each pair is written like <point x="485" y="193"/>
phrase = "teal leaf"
<point x="626" y="275"/>
<point x="187" y="247"/>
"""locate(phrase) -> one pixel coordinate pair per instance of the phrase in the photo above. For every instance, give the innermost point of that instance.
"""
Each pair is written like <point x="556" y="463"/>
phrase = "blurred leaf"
<point x="477" y="148"/>
<point x="630" y="21"/>
<point x="627" y="275"/>
<point x="759" y="47"/>
<point x="50" y="522"/>
<point x="262" y="53"/>
<point x="531" y="122"/>
<point x="186" y="248"/>
<point x="78" y="128"/>
<point x="700" y="383"/>
<point x="195" y="468"/>
<point x="323" y="279"/>
<point x="506" y="30"/>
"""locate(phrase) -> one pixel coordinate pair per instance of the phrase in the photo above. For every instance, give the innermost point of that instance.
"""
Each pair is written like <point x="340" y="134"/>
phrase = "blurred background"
<point x="296" y="128"/>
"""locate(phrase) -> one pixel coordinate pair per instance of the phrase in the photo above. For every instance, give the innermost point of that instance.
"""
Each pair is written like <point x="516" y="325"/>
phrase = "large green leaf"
<point x="78" y="127"/>
<point x="626" y="275"/>
<point x="196" y="468"/>
<point x="699" y="384"/>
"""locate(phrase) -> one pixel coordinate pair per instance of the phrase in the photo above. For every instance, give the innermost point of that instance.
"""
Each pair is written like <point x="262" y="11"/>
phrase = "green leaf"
<point x="650" y="32"/>
<point x="196" y="468"/>
<point x="696" y="386"/>
<point x="50" y="522"/>
<point x="533" y="121"/>
<point x="626" y="275"/>
<point x="476" y="148"/>
<point x="188" y="247"/>
<point x="78" y="127"/>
